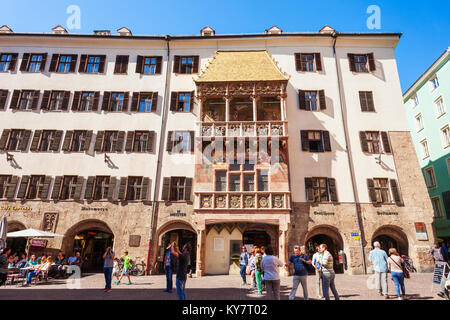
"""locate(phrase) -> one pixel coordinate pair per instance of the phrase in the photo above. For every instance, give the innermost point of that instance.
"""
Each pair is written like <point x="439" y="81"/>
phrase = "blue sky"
<point x="425" y="25"/>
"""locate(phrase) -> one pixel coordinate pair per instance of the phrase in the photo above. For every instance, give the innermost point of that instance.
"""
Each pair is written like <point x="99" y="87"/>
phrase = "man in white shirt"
<point x="315" y="259"/>
<point x="269" y="266"/>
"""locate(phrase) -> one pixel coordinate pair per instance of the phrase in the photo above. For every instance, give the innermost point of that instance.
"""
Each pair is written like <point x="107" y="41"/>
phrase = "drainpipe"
<point x="162" y="137"/>
<point x="349" y="150"/>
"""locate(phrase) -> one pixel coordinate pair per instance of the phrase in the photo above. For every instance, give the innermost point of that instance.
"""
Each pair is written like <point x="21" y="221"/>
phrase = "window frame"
<point x="441" y="212"/>
<point x="114" y="101"/>
<point x="7" y="63"/>
<point x="93" y="63"/>
<point x="81" y="142"/>
<point x="91" y="100"/>
<point x="434" y="82"/>
<point x="420" y="118"/>
<point x="433" y="178"/>
<point x="104" y="187"/>
<point x="66" y="63"/>
<point x="380" y="189"/>
<point x="50" y="138"/>
<point x="320" y="141"/>
<point x="34" y="63"/>
<point x="360" y="64"/>
<point x="68" y="188"/>
<point x="177" y="188"/>
<point x="38" y="187"/>
<point x="137" y="140"/>
<point x="445" y="137"/>
<point x="437" y="109"/>
<point x="109" y="138"/>
<point x="18" y="139"/>
<point x="184" y="101"/>
<point x="424" y="149"/>
<point x="5" y="183"/>
<point x="30" y="99"/>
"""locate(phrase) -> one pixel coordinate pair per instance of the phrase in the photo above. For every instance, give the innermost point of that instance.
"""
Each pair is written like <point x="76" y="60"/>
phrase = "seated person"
<point x="11" y="263"/>
<point x="23" y="261"/>
<point x="41" y="270"/>
<point x="73" y="259"/>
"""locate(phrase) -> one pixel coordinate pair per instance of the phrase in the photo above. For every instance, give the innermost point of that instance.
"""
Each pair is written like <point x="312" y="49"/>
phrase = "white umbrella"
<point x="3" y="232"/>
<point x="32" y="234"/>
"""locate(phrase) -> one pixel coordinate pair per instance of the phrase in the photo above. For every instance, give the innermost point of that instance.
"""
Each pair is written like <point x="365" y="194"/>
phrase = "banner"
<point x="439" y="268"/>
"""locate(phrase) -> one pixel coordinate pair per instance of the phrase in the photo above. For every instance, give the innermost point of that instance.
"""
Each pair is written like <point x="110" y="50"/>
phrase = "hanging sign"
<point x="421" y="231"/>
<point x="38" y="243"/>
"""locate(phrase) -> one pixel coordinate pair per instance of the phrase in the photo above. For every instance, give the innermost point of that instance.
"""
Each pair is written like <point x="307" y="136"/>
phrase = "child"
<point x="125" y="269"/>
<point x="116" y="272"/>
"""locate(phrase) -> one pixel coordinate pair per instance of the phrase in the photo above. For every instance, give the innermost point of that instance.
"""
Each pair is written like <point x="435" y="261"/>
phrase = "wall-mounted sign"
<point x="178" y="214"/>
<point x="38" y="243"/>
<point x="323" y="213"/>
<point x="93" y="209"/>
<point x="14" y="208"/>
<point x="421" y="231"/>
<point x="355" y="236"/>
<point x="387" y="213"/>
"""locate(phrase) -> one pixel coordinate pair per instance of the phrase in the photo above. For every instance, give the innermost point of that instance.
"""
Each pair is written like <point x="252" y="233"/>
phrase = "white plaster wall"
<point x="218" y="262"/>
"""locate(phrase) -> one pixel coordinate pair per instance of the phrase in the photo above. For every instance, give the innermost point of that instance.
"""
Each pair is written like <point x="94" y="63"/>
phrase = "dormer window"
<point x="207" y="32"/>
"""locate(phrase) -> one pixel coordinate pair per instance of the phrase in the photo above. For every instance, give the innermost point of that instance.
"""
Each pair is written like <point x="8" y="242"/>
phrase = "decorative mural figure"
<point x="49" y="223"/>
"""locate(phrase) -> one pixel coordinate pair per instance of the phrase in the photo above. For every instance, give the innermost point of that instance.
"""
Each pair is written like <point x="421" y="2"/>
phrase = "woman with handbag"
<point x="395" y="266"/>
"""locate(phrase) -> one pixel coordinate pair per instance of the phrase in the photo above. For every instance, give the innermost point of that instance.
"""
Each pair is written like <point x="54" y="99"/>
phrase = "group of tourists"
<point x="178" y="262"/>
<point x="111" y="268"/>
<point x="35" y="266"/>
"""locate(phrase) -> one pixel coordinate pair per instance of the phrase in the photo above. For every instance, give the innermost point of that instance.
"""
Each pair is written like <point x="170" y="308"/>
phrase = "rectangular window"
<point x="448" y="166"/>
<point x="249" y="182"/>
<point x="78" y="141"/>
<point x="320" y="189"/>
<point x="234" y="182"/>
<point x="307" y="61"/>
<point x="315" y="141"/>
<point x="47" y="138"/>
<point x="87" y="101"/>
<point x="101" y="188"/>
<point x="150" y="65"/>
<point x="434" y="83"/>
<point x="381" y="188"/>
<point x="110" y="141"/>
<point x="415" y="100"/>
<point x="445" y="133"/>
<point x="117" y="101"/>
<point x="361" y="63"/>
<point x="68" y="188"/>
<point x="311" y="102"/>
<point x="440" y="107"/>
<point x="121" y="65"/>
<point x="93" y="64"/>
<point x="35" y="186"/>
<point x="35" y="63"/>
<point x="4" y="184"/>
<point x="26" y="100"/>
<point x="177" y="186"/>
<point x="373" y="141"/>
<point x="263" y="180"/>
<point x="221" y="180"/>
<point x="436" y="201"/>
<point x="424" y="147"/>
<point x="141" y="141"/>
<point x="15" y="139"/>
<point x="366" y="100"/>
<point x="181" y="143"/>
<point x="5" y="62"/>
<point x="145" y="102"/>
<point x="419" y="122"/>
<point x="64" y="64"/>
<point x="57" y="101"/>
<point x="187" y="64"/>
<point x="430" y="178"/>
<point x="183" y="102"/>
<point x="134" y="188"/>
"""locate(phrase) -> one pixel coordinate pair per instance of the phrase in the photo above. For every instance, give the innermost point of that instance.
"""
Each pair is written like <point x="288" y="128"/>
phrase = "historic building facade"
<point x="426" y="106"/>
<point x="216" y="141"/>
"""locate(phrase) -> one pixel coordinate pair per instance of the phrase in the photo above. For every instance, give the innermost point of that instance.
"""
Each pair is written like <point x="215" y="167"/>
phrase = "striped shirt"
<point x="327" y="262"/>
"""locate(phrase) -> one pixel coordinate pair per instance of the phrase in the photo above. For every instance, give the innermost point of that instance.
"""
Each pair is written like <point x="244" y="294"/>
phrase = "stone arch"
<point x="15" y="226"/>
<point x="327" y="230"/>
<point x="394" y="232"/>
<point x="89" y="224"/>
<point x="174" y="225"/>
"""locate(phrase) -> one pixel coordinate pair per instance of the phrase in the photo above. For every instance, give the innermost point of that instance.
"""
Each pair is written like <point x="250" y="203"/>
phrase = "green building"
<point x="427" y="104"/>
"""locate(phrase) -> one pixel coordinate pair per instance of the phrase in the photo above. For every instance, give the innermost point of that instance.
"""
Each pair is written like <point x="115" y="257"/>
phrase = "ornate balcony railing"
<point x="244" y="129"/>
<point x="249" y="200"/>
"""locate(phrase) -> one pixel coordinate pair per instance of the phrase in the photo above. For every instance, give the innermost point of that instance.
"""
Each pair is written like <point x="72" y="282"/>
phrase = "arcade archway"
<point x="90" y="238"/>
<point x="329" y="236"/>
<point x="391" y="237"/>
<point x="17" y="245"/>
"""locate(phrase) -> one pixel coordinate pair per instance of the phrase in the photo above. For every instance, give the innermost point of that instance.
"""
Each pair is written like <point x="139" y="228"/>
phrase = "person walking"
<point x="183" y="261"/>
<point x="243" y="260"/>
<point x="394" y="264"/>
<point x="4" y="266"/>
<point x="299" y="260"/>
<point x="438" y="256"/>
<point x="328" y="275"/>
<point x="252" y="267"/>
<point x="258" y="270"/>
<point x="108" y="265"/>
<point x="126" y="269"/>
<point x="169" y="267"/>
<point x="318" y="280"/>
<point x="378" y="258"/>
<point x="269" y="266"/>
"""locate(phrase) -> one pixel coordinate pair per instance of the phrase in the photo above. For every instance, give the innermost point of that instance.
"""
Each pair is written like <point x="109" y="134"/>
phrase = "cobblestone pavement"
<point x="419" y="287"/>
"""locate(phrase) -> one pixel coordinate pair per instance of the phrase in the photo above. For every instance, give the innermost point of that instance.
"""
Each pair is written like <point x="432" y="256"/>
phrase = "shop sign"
<point x="38" y="243"/>
<point x="355" y="236"/>
<point x="178" y="214"/>
<point x="93" y="209"/>
<point x="387" y="213"/>
<point x="323" y="213"/>
<point x="14" y="208"/>
<point x="421" y="231"/>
